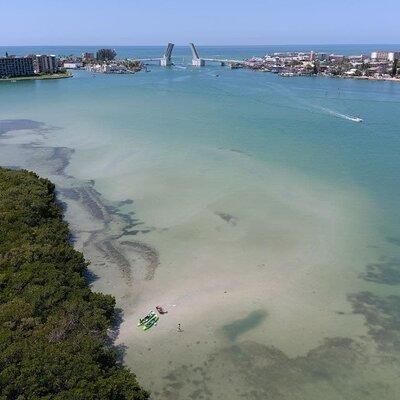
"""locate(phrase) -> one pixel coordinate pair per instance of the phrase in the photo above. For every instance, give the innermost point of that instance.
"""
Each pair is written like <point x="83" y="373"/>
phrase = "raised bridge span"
<point x="166" y="59"/>
<point x="198" y="61"/>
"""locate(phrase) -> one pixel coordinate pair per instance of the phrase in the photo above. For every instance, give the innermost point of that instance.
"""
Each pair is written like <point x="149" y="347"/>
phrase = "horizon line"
<point x="207" y="45"/>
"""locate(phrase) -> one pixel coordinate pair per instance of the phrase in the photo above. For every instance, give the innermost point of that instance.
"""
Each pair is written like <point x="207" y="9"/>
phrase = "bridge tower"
<point x="196" y="60"/>
<point x="166" y="59"/>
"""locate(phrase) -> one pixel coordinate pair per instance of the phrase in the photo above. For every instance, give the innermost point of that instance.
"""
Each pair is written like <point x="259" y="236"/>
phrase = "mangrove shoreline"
<point x="55" y="339"/>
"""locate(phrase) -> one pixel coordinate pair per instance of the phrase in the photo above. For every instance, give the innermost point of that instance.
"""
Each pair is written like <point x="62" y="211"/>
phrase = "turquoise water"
<point x="285" y="119"/>
<point x="251" y="184"/>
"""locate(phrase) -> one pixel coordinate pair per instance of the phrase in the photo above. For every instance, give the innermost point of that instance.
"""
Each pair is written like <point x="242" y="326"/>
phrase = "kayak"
<point x="142" y="321"/>
<point x="147" y="318"/>
<point x="151" y="322"/>
<point x="152" y="317"/>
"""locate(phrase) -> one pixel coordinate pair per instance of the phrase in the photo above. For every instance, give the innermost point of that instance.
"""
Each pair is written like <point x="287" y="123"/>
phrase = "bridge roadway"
<point x="197" y="60"/>
<point x="219" y="60"/>
<point x="216" y="60"/>
<point x="146" y="59"/>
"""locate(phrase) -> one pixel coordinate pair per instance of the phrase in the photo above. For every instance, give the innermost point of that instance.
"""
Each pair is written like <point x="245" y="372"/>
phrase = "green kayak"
<point x="151" y="322"/>
<point x="147" y="318"/>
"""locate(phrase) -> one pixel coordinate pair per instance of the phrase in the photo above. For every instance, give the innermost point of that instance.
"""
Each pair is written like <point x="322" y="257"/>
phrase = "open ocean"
<point x="247" y="204"/>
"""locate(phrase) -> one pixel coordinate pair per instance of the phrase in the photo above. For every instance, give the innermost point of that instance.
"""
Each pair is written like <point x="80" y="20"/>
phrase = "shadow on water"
<point x="240" y="326"/>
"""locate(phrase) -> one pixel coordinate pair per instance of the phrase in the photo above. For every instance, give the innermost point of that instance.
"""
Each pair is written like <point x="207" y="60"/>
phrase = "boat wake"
<point x="343" y="116"/>
<point x="309" y="106"/>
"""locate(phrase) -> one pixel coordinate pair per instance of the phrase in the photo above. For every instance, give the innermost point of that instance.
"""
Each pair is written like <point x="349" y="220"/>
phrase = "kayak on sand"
<point x="151" y="322"/>
<point x="147" y="318"/>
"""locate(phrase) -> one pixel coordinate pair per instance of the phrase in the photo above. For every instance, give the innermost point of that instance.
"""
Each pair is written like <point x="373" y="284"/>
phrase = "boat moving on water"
<point x="339" y="115"/>
<point x="356" y="119"/>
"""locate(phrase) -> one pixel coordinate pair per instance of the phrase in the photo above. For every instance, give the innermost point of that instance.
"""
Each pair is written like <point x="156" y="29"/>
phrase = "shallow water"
<point x="248" y="205"/>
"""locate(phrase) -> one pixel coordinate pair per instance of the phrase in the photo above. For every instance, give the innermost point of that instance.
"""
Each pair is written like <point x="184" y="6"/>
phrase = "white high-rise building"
<point x="385" y="55"/>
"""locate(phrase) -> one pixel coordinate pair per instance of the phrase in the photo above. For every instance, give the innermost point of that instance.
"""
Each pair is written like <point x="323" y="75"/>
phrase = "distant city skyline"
<point x="218" y="22"/>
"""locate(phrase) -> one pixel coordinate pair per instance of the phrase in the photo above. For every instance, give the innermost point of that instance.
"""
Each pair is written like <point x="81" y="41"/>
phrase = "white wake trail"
<point x="340" y="115"/>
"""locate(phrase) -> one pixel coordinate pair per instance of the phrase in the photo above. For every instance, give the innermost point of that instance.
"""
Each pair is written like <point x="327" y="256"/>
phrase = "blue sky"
<point x="206" y="22"/>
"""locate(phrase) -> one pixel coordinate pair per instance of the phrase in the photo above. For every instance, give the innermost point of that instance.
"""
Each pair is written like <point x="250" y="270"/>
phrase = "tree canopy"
<point x="106" y="55"/>
<point x="53" y="328"/>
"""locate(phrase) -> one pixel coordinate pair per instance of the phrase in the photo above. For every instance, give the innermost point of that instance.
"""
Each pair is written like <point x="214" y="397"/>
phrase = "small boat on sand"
<point x="161" y="310"/>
